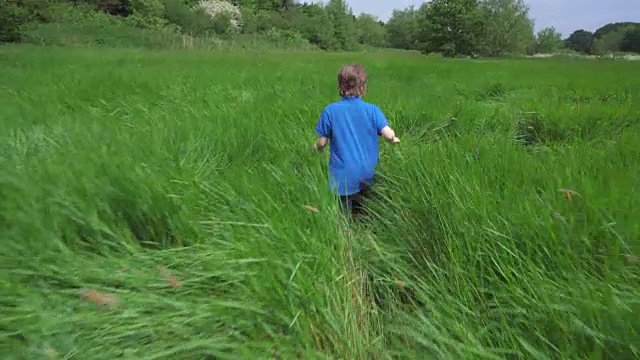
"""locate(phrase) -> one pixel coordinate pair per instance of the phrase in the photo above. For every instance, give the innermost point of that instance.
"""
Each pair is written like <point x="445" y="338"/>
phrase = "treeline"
<point x="330" y="26"/>
<point x="611" y="38"/>
<point x="496" y="27"/>
<point x="463" y="27"/>
<point x="447" y="27"/>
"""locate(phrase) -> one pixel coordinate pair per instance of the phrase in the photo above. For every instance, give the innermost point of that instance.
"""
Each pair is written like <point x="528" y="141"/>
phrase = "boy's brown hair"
<point x="352" y="80"/>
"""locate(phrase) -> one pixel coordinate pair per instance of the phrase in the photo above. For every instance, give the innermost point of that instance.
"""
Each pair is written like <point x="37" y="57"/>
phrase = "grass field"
<point x="509" y="232"/>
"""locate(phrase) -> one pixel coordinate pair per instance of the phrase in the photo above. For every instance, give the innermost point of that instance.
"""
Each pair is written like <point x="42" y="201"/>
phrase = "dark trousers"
<point x="354" y="205"/>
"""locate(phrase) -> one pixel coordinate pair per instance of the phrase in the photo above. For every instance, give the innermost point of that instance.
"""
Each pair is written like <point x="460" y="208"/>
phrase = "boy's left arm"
<point x="323" y="130"/>
<point x="320" y="143"/>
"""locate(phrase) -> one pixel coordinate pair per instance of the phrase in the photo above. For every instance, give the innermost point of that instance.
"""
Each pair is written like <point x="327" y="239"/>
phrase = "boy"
<point x="351" y="126"/>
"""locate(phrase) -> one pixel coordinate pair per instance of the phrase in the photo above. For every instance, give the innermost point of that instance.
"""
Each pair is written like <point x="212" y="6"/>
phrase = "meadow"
<point x="152" y="206"/>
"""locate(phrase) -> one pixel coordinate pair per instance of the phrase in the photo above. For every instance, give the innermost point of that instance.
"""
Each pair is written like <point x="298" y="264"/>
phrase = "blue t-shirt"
<point x="352" y="127"/>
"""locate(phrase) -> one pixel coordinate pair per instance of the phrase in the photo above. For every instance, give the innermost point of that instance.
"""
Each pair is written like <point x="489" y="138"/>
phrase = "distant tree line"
<point x="447" y="27"/>
<point x="611" y="38"/>
<point x="330" y="26"/>
<point x="496" y="27"/>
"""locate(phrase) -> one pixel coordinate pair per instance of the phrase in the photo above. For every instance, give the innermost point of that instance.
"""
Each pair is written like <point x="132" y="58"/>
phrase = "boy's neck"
<point x="351" y="98"/>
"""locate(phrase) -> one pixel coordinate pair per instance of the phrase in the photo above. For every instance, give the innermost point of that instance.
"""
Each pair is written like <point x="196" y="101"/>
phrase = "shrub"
<point x="13" y="19"/>
<point x="287" y="36"/>
<point x="214" y="8"/>
<point x="148" y="8"/>
<point x="151" y="22"/>
<point x="191" y="20"/>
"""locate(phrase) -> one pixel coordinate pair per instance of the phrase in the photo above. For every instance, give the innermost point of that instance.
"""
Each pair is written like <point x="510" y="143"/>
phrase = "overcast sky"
<point x="566" y="15"/>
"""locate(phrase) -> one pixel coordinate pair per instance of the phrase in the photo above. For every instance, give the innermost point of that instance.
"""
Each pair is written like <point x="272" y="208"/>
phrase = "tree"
<point x="580" y="41"/>
<point x="631" y="41"/>
<point x="343" y="24"/>
<point x="13" y="18"/>
<point x="451" y="27"/>
<point x="610" y="41"/>
<point x="548" y="40"/>
<point x="370" y="31"/>
<point x="269" y="5"/>
<point x="612" y="27"/>
<point x="315" y="24"/>
<point x="402" y="29"/>
<point x="509" y="30"/>
<point x="610" y="37"/>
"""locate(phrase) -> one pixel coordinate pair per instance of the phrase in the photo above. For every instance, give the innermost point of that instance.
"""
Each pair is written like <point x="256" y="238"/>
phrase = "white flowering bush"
<point x="217" y="7"/>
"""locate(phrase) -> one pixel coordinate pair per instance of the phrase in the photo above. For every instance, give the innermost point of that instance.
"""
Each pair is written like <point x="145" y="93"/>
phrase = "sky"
<point x="566" y="15"/>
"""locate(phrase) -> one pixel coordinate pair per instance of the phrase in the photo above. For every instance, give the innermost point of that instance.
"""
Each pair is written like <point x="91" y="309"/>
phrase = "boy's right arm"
<point x="323" y="130"/>
<point x="382" y="125"/>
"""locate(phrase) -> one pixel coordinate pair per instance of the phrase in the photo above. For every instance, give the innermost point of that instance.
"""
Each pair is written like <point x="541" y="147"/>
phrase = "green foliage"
<point x="266" y="5"/>
<point x="403" y="29"/>
<point x="613" y="27"/>
<point x="464" y="27"/>
<point x="507" y="27"/>
<point x="492" y="28"/>
<point x="221" y="25"/>
<point x="610" y="41"/>
<point x="441" y="27"/>
<point x="117" y="162"/>
<point x="194" y="21"/>
<point x="316" y="25"/>
<point x="13" y="19"/>
<point x="112" y="7"/>
<point x="148" y="8"/>
<point x="151" y="23"/>
<point x="79" y="25"/>
<point x="548" y="40"/>
<point x="17" y="16"/>
<point x="189" y="21"/>
<point x="631" y="41"/>
<point x="344" y="28"/>
<point x="82" y="26"/>
<point x="370" y="31"/>
<point x="615" y="37"/>
<point x="263" y="20"/>
<point x="290" y="37"/>
<point x="452" y="27"/>
<point x="580" y="41"/>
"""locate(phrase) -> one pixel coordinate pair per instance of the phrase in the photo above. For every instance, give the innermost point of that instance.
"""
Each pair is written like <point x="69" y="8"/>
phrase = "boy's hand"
<point x="320" y="144"/>
<point x="389" y="135"/>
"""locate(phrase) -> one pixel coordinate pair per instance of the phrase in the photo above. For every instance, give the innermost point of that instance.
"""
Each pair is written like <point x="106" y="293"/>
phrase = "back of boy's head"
<point x="352" y="80"/>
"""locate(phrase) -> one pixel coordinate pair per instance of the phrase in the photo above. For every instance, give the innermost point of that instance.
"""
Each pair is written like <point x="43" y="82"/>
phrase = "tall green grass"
<point x="116" y="163"/>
